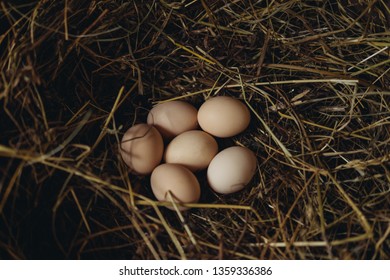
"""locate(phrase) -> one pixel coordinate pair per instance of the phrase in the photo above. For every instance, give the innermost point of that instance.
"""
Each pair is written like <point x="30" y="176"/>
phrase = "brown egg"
<point x="176" y="179"/>
<point x="231" y="169"/>
<point x="142" y="148"/>
<point x="223" y="116"/>
<point x="173" y="117"/>
<point x="193" y="149"/>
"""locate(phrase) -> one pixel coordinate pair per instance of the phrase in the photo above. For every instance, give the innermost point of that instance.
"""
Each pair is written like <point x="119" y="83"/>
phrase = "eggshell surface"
<point x="223" y="116"/>
<point x="142" y="148"/>
<point x="177" y="179"/>
<point x="193" y="149"/>
<point x="231" y="169"/>
<point x="172" y="118"/>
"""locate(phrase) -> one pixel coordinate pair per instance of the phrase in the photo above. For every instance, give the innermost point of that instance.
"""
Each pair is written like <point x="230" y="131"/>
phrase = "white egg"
<point x="231" y="170"/>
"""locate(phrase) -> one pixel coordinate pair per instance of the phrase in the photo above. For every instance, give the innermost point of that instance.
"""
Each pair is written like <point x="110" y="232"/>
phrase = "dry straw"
<point x="315" y="75"/>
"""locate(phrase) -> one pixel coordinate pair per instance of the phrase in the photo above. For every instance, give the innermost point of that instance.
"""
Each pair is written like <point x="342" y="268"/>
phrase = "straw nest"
<point x="76" y="74"/>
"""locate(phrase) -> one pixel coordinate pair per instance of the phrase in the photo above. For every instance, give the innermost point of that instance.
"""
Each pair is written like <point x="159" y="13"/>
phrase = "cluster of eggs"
<point x="172" y="135"/>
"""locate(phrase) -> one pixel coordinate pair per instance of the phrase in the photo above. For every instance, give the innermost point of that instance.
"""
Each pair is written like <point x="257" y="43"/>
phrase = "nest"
<point x="76" y="74"/>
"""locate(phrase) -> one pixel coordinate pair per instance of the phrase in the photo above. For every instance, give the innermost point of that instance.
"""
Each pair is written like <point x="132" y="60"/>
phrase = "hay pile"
<point x="76" y="74"/>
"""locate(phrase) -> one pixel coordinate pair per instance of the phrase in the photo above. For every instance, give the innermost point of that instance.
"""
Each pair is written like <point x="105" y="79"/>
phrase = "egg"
<point x="193" y="149"/>
<point x="177" y="179"/>
<point x="231" y="170"/>
<point x="173" y="117"/>
<point x="223" y="116"/>
<point x="142" y="148"/>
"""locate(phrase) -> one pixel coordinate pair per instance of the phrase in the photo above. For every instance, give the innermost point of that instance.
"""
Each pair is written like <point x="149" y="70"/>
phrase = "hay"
<point x="76" y="74"/>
